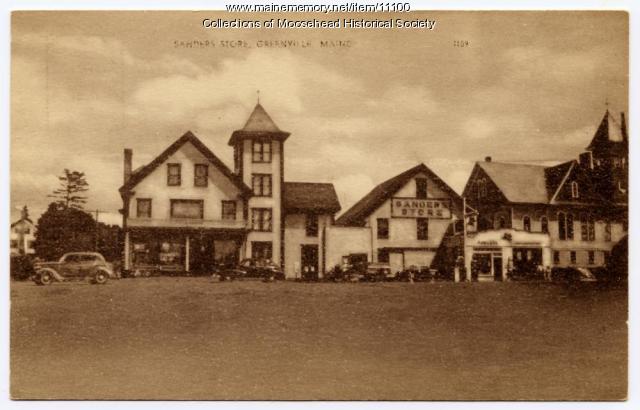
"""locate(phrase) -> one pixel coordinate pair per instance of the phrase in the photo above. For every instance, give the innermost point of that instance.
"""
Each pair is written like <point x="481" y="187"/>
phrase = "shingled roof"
<point x="357" y="214"/>
<point x="310" y="197"/>
<point x="142" y="172"/>
<point x="258" y="125"/>
<point x="518" y="182"/>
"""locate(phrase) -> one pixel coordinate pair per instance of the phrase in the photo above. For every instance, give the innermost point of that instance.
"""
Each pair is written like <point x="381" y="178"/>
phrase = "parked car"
<point x="419" y="274"/>
<point x="252" y="268"/>
<point x="74" y="265"/>
<point x="571" y="274"/>
<point x="378" y="272"/>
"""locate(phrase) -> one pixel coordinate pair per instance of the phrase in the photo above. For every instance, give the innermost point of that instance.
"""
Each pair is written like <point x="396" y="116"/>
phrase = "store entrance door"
<point x="497" y="268"/>
<point x="309" y="262"/>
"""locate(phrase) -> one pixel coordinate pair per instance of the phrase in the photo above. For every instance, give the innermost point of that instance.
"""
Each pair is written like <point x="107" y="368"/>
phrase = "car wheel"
<point x="100" y="278"/>
<point x="45" y="278"/>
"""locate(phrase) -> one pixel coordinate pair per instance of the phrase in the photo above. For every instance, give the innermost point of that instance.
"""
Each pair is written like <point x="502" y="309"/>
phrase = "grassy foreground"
<point x="188" y="338"/>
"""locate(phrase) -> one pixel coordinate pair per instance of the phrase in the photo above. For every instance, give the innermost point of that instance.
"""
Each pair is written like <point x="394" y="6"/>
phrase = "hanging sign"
<point x="421" y="208"/>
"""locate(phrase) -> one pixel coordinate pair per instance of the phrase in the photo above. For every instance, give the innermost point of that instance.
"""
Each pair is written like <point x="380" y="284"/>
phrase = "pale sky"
<point x="531" y="86"/>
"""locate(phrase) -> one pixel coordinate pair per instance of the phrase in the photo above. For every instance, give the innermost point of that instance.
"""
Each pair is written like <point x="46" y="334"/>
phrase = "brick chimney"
<point x="128" y="156"/>
<point x="487" y="159"/>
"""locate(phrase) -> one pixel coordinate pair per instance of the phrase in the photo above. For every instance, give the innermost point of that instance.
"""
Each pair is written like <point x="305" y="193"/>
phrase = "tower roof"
<point x="259" y="124"/>
<point x="609" y="133"/>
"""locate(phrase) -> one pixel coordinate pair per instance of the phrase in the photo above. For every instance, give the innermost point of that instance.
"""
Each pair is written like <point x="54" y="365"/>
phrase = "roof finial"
<point x="258" y="92"/>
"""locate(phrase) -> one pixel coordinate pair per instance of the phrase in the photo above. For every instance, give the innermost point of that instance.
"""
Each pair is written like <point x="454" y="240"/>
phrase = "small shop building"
<point x="186" y="211"/>
<point x="537" y="217"/>
<point x="408" y="220"/>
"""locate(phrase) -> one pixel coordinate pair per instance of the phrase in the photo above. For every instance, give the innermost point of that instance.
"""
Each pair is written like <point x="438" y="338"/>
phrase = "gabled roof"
<point x="356" y="215"/>
<point x="518" y="182"/>
<point x="310" y="197"/>
<point x="259" y="124"/>
<point x="609" y="135"/>
<point x="144" y="171"/>
<point x="21" y="220"/>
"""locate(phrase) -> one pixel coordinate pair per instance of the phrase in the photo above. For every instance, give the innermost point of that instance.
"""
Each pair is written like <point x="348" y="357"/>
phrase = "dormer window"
<point x="575" y="193"/>
<point x="174" y="174"/>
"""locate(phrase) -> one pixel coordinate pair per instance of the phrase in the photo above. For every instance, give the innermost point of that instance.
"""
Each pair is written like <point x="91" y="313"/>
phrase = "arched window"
<point x="575" y="193"/>
<point x="544" y="224"/>
<point x="502" y="223"/>
<point x="570" y="226"/>
<point x="584" y="228"/>
<point x="526" y="223"/>
<point x="562" y="226"/>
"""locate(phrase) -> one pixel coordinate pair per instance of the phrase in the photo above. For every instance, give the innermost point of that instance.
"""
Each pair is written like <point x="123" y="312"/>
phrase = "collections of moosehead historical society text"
<point x="347" y="23"/>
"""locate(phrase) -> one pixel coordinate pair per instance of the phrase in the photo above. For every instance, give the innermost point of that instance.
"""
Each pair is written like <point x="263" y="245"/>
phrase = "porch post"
<point x="186" y="254"/>
<point x="127" y="252"/>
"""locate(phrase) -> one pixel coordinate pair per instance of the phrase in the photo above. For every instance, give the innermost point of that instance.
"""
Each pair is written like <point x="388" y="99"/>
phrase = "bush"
<point x="21" y="267"/>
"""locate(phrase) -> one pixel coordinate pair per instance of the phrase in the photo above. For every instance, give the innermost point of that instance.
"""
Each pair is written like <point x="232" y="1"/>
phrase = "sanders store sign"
<point x="420" y="208"/>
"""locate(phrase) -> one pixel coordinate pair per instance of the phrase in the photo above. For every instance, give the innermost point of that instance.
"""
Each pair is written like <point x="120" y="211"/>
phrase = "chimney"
<point x="487" y="159"/>
<point x="128" y="156"/>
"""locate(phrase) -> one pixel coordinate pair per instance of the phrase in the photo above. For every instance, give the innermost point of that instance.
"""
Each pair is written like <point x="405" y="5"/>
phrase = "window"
<point x="383" y="255"/>
<point x="556" y="257"/>
<point x="187" y="208"/>
<point x="526" y="223"/>
<point x="143" y="208"/>
<point x="261" y="151"/>
<point x="229" y="210"/>
<point x="592" y="257"/>
<point x="311" y="227"/>
<point x="607" y="231"/>
<point x="383" y="228"/>
<point x="261" y="184"/>
<point x="201" y="175"/>
<point x="544" y="224"/>
<point x="14" y="243"/>
<point x="261" y="250"/>
<point x="584" y="228"/>
<point x="591" y="226"/>
<point x="573" y="257"/>
<point x="174" y="174"/>
<point x="422" y="225"/>
<point x="562" y="226"/>
<point x="570" y="226"/>
<point x="261" y="219"/>
<point x="574" y="190"/>
<point x="421" y="188"/>
<point x="502" y="222"/>
<point x="482" y="188"/>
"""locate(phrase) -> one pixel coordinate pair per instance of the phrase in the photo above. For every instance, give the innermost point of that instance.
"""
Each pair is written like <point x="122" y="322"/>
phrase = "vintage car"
<point x="572" y="274"/>
<point x="360" y="271"/>
<point x="418" y="274"/>
<point x="378" y="272"/>
<point x="74" y="265"/>
<point x="252" y="268"/>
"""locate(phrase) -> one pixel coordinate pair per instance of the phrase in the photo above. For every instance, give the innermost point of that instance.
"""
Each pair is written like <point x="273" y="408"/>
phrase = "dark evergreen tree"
<point x="72" y="185"/>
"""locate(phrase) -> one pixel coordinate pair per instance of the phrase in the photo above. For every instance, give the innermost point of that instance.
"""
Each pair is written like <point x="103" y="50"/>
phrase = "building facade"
<point x="570" y="214"/>
<point x="404" y="221"/>
<point x="187" y="211"/>
<point x="22" y="235"/>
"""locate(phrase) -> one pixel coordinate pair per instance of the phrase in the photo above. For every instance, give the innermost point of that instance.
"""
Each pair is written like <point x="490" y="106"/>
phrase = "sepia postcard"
<point x="345" y="201"/>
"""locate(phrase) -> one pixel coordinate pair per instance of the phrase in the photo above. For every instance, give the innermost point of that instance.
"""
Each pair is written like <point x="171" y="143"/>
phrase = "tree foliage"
<point x="72" y="185"/>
